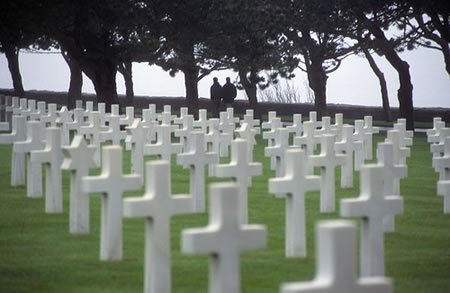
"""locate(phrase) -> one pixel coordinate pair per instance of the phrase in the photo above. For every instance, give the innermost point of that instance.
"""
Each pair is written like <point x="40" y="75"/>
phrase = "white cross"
<point x="307" y="141"/>
<point x="51" y="117"/>
<point x="391" y="173"/>
<point x="40" y="111"/>
<point x="78" y="104"/>
<point x="240" y="169"/>
<point x="438" y="148"/>
<point x="249" y="118"/>
<point x="360" y="135"/>
<point x="148" y="123"/>
<point x="231" y="118"/>
<point x="224" y="238"/>
<point x="313" y="119"/>
<point x="443" y="188"/>
<point x="277" y="151"/>
<point x="78" y="158"/>
<point x="111" y="183"/>
<point x="295" y="183"/>
<point x="274" y="124"/>
<point x="135" y="141"/>
<point x="23" y="107"/>
<point x="33" y="142"/>
<point x="183" y="112"/>
<point x="115" y="111"/>
<point x="406" y="136"/>
<point x="195" y="157"/>
<point x="326" y="127"/>
<point x="212" y="141"/>
<point x="327" y="160"/>
<point x="297" y="125"/>
<point x="335" y="258"/>
<point x="442" y="164"/>
<point x="400" y="153"/>
<point x="187" y="122"/>
<point x="163" y="147"/>
<point x="101" y="108"/>
<point x="64" y="117"/>
<point x="248" y="133"/>
<point x="372" y="206"/>
<point x="28" y="110"/>
<point x="268" y="125"/>
<point x="436" y="126"/>
<point x="93" y="132"/>
<point x="11" y="108"/>
<point x="78" y="121"/>
<point x="52" y="156"/>
<point x="202" y="122"/>
<point x="369" y="129"/>
<point x="157" y="206"/>
<point x="113" y="133"/>
<point x="226" y="126"/>
<point x="338" y="125"/>
<point x="18" y="133"/>
<point x="89" y="109"/>
<point x="129" y="117"/>
<point x="347" y="146"/>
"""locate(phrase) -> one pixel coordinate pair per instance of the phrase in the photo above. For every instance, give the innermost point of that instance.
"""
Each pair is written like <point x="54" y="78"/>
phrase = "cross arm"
<point x="199" y="240"/>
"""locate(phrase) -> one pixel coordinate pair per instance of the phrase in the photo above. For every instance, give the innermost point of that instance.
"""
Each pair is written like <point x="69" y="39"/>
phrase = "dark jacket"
<point x="229" y="93"/>
<point x="216" y="91"/>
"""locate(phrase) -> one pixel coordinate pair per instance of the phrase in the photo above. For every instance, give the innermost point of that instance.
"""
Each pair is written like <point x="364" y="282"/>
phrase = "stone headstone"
<point x="157" y="206"/>
<point x="400" y="153"/>
<point x="115" y="111"/>
<point x="406" y="136"/>
<point x="269" y="135"/>
<point x="347" y="146"/>
<point x="101" y="108"/>
<point x="226" y="127"/>
<point x="438" y="148"/>
<point x="51" y="156"/>
<point x="250" y="120"/>
<point x="327" y="160"/>
<point x="372" y="206"/>
<point x="79" y="104"/>
<point x="391" y="174"/>
<point x="240" y="169"/>
<point x="335" y="258"/>
<point x="40" y="111"/>
<point x="148" y="123"/>
<point x="224" y="238"/>
<point x="33" y="142"/>
<point x="12" y="103"/>
<point x="51" y="117"/>
<point x="436" y="126"/>
<point x="18" y="133"/>
<point x="78" y="158"/>
<point x="78" y="121"/>
<point x="195" y="158"/>
<point x="111" y="183"/>
<point x="295" y="183"/>
<point x="212" y="141"/>
<point x="64" y="117"/>
<point x="248" y="134"/>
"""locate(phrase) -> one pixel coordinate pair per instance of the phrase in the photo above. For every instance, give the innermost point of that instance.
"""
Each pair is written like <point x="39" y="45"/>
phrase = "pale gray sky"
<point x="353" y="83"/>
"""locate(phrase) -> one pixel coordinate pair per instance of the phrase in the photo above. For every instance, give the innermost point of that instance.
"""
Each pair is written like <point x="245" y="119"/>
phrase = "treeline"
<point x="262" y="40"/>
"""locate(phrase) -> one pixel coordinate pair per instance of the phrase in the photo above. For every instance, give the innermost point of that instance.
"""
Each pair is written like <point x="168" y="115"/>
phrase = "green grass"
<point x="37" y="253"/>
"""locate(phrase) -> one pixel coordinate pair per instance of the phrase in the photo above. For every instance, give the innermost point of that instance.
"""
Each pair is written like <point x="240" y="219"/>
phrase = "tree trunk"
<point x="317" y="78"/>
<point x="405" y="91"/>
<point x="250" y="90"/>
<point x="103" y="75"/>
<point x="126" y="70"/>
<point x="76" y="80"/>
<point x="191" y="84"/>
<point x="383" y="86"/>
<point x="12" y="55"/>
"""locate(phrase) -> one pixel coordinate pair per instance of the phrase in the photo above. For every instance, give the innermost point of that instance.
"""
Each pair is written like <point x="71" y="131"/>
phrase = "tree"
<point x="247" y="38"/>
<point x="76" y="79"/>
<point x="125" y="68"/>
<point x="426" y="24"/>
<point x="317" y="32"/>
<point x="17" y="31"/>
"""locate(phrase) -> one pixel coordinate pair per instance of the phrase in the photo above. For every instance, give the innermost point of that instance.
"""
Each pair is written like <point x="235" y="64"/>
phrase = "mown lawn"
<point x="37" y="253"/>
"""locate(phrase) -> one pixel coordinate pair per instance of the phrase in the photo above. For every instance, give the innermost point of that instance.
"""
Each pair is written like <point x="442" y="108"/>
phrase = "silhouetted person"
<point x="216" y="97"/>
<point x="229" y="93"/>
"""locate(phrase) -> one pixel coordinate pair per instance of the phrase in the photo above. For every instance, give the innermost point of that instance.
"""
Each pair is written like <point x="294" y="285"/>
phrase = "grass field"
<point x="37" y="253"/>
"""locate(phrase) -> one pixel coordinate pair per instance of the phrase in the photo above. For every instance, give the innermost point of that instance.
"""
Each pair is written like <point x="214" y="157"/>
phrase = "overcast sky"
<point x="353" y="83"/>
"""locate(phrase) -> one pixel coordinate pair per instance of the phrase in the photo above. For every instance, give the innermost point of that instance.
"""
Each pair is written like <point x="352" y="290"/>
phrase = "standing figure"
<point x="229" y="93"/>
<point x="216" y="96"/>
